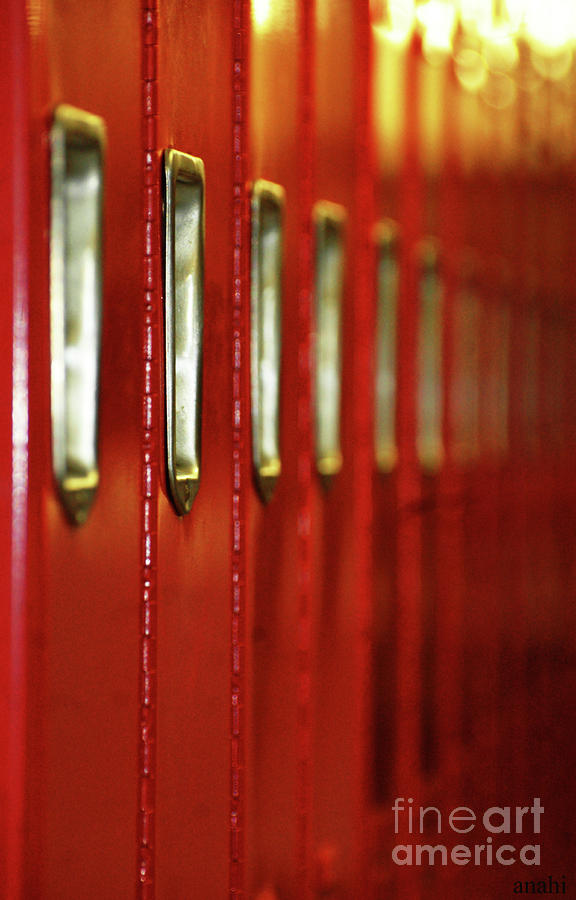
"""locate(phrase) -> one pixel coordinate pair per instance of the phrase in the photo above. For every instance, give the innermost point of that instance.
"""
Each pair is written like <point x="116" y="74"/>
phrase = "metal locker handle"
<point x="266" y="332"/>
<point x="329" y="220"/>
<point x="387" y="283"/>
<point x="77" y="151"/>
<point x="184" y="190"/>
<point x="430" y="446"/>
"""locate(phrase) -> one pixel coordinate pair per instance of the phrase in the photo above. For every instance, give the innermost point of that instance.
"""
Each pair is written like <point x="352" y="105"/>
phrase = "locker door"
<point x="74" y="654"/>
<point x="275" y="542"/>
<point x="190" y="66"/>
<point x="342" y="499"/>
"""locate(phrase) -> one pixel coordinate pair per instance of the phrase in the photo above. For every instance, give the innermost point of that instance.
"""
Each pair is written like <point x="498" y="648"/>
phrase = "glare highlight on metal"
<point x="77" y="156"/>
<point x="329" y="219"/>
<point x="387" y="284"/>
<point x="184" y="203"/>
<point x="266" y="332"/>
<point x="429" y="397"/>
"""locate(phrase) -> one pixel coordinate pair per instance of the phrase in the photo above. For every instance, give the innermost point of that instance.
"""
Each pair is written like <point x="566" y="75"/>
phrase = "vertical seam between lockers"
<point x="148" y="460"/>
<point x="240" y="438"/>
<point x="304" y="736"/>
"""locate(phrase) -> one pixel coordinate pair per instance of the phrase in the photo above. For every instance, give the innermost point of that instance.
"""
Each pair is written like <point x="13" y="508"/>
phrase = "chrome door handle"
<point x="430" y="445"/>
<point x="387" y="285"/>
<point x="329" y="221"/>
<point x="184" y="202"/>
<point x="77" y="154"/>
<point x="266" y="332"/>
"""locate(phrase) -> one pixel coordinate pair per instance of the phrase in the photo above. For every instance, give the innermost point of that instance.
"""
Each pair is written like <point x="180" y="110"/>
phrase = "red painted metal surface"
<point x="193" y="552"/>
<point x="276" y="652"/>
<point x="228" y="703"/>
<point x="14" y="50"/>
<point x="343" y="513"/>
<point x="82" y="618"/>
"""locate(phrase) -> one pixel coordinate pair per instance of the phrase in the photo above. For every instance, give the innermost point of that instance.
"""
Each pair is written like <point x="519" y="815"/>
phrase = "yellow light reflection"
<point x="554" y="66"/>
<point x="476" y="15"/>
<point x="499" y="47"/>
<point x="500" y="51"/>
<point x="486" y="16"/>
<point x="394" y="20"/>
<point x="433" y="89"/>
<point x="262" y="13"/>
<point x="514" y="12"/>
<point x="272" y="15"/>
<point x="471" y="69"/>
<point x="499" y="92"/>
<point x="550" y="26"/>
<point x="389" y="77"/>
<point x="438" y="20"/>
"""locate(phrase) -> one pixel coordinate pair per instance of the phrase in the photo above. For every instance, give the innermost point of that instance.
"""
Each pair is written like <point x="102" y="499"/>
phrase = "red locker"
<point x="70" y="783"/>
<point x="188" y="61"/>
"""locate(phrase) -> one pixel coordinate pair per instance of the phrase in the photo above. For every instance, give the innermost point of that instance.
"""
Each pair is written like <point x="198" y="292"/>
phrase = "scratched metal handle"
<point x="266" y="327"/>
<point x="184" y="189"/>
<point x="329" y="219"/>
<point x="77" y="151"/>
